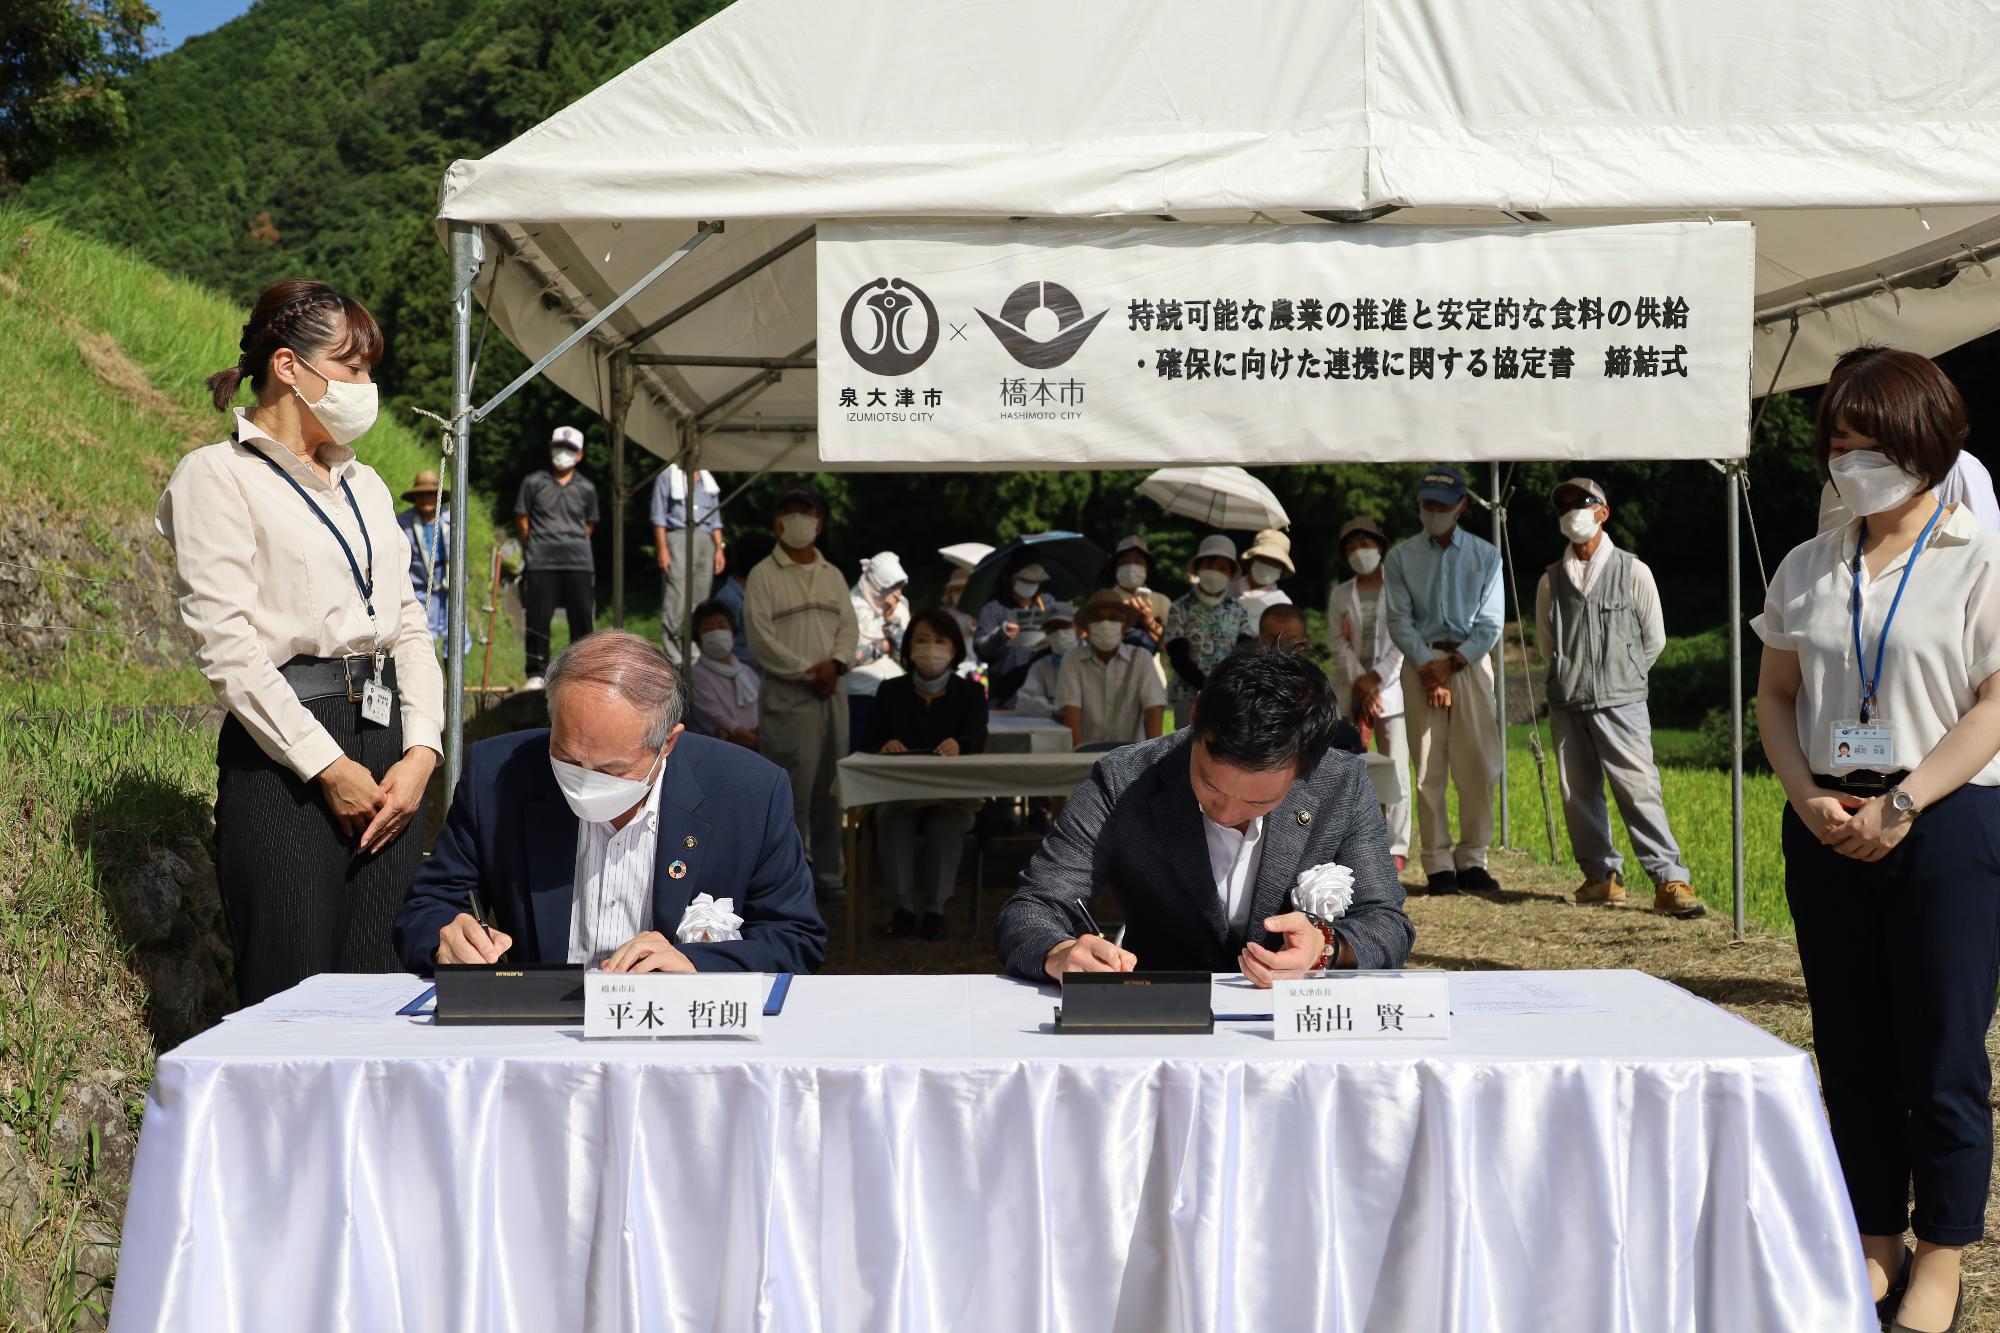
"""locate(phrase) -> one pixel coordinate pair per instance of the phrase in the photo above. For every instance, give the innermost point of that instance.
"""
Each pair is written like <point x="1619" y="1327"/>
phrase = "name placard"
<point x="672" y="1005"/>
<point x="1363" y="1006"/>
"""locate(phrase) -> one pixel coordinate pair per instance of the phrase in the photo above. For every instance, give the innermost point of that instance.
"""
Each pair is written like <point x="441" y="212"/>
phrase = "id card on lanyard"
<point x="1869" y="741"/>
<point x="378" y="701"/>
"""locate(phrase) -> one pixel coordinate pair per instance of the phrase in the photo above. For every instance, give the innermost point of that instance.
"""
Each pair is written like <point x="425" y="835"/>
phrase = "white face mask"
<point x="1062" y="641"/>
<point x="1365" y="560"/>
<point x="345" y="410"/>
<point x="564" y="459"/>
<point x="718" y="642"/>
<point x="1132" y="577"/>
<point x="1025" y="589"/>
<point x="1263" y="573"/>
<point x="1579" y="525"/>
<point x="932" y="662"/>
<point x="1869" y="483"/>
<point x="1212" y="581"/>
<point x="798" y="531"/>
<point x="1438" y="524"/>
<point x="1106" y="635"/>
<point x="598" y="797"/>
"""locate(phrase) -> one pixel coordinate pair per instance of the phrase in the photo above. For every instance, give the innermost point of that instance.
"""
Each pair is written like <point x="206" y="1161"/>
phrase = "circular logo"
<point x="889" y="344"/>
<point x="1072" y="326"/>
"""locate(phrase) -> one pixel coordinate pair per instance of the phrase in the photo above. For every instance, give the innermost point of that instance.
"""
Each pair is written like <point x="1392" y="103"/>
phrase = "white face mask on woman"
<point x="599" y="797"/>
<point x="1869" y="482"/>
<point x="932" y="662"/>
<point x="1579" y="525"/>
<point x="1364" y="560"/>
<point x="1213" y="582"/>
<point x="1025" y="589"/>
<point x="717" y="643"/>
<point x="346" y="410"/>
<point x="1132" y="577"/>
<point x="1263" y="574"/>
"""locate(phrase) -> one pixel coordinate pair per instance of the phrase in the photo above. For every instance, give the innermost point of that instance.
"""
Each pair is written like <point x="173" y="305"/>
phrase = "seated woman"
<point x="722" y="691"/>
<point x="933" y="710"/>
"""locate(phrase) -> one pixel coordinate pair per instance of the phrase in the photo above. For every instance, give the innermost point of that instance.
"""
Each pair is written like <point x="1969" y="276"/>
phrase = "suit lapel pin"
<point x="689" y="842"/>
<point x="678" y="870"/>
<point x="1305" y="818"/>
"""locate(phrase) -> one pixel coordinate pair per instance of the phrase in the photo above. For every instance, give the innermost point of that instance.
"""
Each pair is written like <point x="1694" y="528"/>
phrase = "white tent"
<point x="1861" y="142"/>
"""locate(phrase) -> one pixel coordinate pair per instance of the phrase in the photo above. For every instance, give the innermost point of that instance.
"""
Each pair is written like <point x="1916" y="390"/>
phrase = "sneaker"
<point x="902" y="924"/>
<point x="1444" y="881"/>
<point x="933" y="925"/>
<point x="1474" y="879"/>
<point x="535" y="683"/>
<point x="1676" y="899"/>
<point x="1610" y="889"/>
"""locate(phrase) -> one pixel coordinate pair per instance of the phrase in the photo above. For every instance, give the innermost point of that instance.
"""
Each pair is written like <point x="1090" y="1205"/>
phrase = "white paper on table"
<point x="337" y="997"/>
<point x="1236" y="995"/>
<point x="1516" y="993"/>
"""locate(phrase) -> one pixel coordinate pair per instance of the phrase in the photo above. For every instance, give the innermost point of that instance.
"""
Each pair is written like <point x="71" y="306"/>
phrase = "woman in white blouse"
<point x="1879" y="703"/>
<point x="288" y="565"/>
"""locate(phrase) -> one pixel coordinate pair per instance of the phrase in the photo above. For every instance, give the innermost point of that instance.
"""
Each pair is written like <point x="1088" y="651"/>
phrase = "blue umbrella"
<point x="1073" y="560"/>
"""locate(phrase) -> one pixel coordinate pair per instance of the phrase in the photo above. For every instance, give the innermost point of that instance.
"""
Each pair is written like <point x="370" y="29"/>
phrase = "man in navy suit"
<point x="587" y="841"/>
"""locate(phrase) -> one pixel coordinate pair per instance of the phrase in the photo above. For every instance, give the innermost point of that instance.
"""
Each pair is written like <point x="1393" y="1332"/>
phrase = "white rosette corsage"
<point x="1325" y="891"/>
<point x="709" y="921"/>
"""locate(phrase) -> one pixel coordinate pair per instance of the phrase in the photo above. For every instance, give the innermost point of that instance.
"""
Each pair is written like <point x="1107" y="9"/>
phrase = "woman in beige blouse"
<point x="288" y="566"/>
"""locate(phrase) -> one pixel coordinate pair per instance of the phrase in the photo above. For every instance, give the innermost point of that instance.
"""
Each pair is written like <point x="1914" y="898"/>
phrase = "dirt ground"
<point x="1530" y="924"/>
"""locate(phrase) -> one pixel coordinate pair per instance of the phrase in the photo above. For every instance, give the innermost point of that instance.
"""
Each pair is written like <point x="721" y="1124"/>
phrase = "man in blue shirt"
<point x="673" y="500"/>
<point x="1441" y="593"/>
<point x="428" y="529"/>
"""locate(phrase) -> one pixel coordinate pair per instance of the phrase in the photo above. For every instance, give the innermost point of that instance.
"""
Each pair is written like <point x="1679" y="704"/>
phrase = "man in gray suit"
<point x="1203" y="834"/>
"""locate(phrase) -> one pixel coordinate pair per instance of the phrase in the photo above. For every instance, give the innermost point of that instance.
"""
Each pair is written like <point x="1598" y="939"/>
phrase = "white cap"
<point x="966" y="554"/>
<point x="568" y="435"/>
<point x="886" y="569"/>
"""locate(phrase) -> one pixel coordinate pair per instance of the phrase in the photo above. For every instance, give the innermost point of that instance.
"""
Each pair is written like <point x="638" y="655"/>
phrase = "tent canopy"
<point x="1863" y="142"/>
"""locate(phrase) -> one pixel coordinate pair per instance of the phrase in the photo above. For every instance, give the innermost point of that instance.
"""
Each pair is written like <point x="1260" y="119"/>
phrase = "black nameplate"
<point x="496" y="994"/>
<point x="1135" y="1002"/>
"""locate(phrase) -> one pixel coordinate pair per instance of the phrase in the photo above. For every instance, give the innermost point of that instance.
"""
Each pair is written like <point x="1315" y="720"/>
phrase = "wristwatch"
<point x="1329" y="942"/>
<point x="1902" y="802"/>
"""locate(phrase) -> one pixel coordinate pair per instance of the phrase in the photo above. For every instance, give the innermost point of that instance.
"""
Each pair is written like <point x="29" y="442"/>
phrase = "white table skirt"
<point x="1010" y="733"/>
<point x="869" y="779"/>
<point x="920" y="1153"/>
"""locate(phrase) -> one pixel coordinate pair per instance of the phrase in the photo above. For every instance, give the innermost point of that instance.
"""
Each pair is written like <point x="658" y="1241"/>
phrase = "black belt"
<point x="1862" y="781"/>
<point x="334" y="677"/>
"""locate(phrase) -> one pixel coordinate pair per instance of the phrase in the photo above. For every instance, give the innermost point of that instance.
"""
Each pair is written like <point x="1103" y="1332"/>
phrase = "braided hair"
<point x="305" y="315"/>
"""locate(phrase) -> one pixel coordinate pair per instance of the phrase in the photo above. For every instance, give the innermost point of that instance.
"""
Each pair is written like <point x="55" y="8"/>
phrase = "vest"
<point x="1596" y="657"/>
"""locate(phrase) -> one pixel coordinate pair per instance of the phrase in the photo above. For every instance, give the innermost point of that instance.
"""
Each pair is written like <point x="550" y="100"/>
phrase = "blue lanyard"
<point x="1868" y="682"/>
<point x="365" y="586"/>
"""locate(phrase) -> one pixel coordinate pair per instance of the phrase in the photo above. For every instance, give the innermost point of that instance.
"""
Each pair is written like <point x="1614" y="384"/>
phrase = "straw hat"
<point x="1273" y="546"/>
<point x="425" y="484"/>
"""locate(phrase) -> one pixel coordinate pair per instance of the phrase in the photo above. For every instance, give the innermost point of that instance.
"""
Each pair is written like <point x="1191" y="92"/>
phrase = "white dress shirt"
<point x="1945" y="641"/>
<point x="1233" y="858"/>
<point x="614" y="882"/>
<point x="261" y="581"/>
<point x="1582" y="576"/>
<point x="1112" y="696"/>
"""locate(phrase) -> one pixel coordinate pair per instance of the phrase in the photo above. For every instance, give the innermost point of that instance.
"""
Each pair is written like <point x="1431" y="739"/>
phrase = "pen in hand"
<point x="478" y="910"/>
<point x="1089" y="921"/>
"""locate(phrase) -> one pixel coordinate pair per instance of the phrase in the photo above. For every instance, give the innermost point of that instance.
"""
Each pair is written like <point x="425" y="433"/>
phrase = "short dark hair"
<point x="714" y="607"/>
<point x="1280" y="611"/>
<point x="1903" y="402"/>
<point x="942" y="623"/>
<point x="1263" y="708"/>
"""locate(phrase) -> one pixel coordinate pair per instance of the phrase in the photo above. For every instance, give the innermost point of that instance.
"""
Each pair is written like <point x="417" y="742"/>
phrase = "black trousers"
<point x="1901" y="959"/>
<point x="299" y="898"/>
<point x="541" y="590"/>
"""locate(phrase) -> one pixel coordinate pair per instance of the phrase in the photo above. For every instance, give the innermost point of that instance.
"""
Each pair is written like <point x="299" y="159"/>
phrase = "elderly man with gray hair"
<point x="589" y="841"/>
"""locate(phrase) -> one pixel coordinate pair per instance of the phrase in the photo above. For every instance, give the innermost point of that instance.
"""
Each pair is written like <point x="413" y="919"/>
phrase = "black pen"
<point x="478" y="910"/>
<point x="1089" y="920"/>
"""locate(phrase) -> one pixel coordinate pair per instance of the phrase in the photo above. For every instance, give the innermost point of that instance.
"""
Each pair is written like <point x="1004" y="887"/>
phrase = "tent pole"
<point x="621" y="397"/>
<point x="689" y="472"/>
<point x="468" y="251"/>
<point x="1500" y="659"/>
<point x="1730" y="473"/>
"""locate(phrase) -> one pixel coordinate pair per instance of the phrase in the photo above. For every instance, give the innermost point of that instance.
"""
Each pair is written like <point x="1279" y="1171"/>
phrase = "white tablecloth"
<point x="869" y="779"/>
<point x="1010" y="733"/>
<point x="921" y="1153"/>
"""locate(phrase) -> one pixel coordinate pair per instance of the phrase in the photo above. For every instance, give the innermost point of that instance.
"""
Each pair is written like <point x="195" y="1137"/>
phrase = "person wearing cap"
<point x="1036" y="696"/>
<point x="883" y="614"/>
<point x="1441" y="593"/>
<point x="1597" y="617"/>
<point x="1205" y="625"/>
<point x="429" y="533"/>
<point x="556" y="512"/>
<point x="1268" y="560"/>
<point x="672" y="504"/>
<point x="1107" y="693"/>
<point x="1009" y="631"/>
<point x="1368" y="666"/>
<point x="804" y="632"/>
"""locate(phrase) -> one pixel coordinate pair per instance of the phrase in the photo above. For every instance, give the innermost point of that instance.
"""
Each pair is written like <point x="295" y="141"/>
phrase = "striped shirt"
<point x="613" y="899"/>
<point x="798" y="615"/>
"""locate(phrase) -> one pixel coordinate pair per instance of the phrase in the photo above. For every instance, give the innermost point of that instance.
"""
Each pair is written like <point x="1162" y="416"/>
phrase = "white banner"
<point x="1036" y="345"/>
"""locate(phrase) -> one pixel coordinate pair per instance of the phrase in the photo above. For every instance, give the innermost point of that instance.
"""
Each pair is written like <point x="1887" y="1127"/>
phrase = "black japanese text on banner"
<point x="1091" y="345"/>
